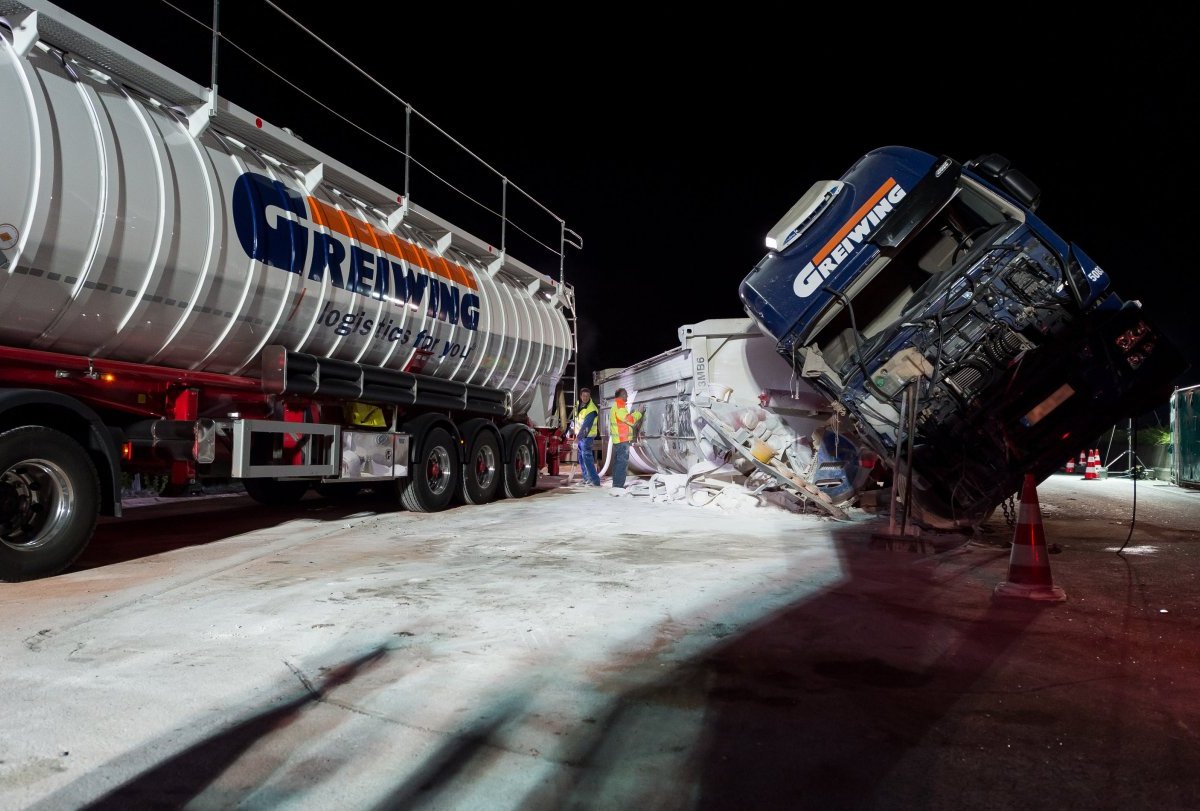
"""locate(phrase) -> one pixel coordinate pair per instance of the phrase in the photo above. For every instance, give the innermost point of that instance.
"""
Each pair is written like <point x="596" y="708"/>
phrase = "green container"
<point x="1185" y="435"/>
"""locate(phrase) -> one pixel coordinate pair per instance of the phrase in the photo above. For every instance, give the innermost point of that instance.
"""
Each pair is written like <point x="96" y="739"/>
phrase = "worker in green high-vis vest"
<point x="620" y="429"/>
<point x="586" y="427"/>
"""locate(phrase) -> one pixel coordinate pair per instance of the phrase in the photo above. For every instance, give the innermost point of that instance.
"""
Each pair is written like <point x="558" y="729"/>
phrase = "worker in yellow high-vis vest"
<point x="586" y="427"/>
<point x="620" y="429"/>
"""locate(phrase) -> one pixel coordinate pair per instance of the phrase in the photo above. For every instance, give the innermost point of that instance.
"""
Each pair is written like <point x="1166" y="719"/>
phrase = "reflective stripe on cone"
<point x="1029" y="563"/>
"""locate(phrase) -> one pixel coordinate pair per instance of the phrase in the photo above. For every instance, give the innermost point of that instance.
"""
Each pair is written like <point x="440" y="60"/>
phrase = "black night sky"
<point x="673" y="142"/>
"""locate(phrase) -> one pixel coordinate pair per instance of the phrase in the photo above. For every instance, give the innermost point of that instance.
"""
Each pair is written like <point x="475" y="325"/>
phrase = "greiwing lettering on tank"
<point x="260" y="212"/>
<point x="271" y="221"/>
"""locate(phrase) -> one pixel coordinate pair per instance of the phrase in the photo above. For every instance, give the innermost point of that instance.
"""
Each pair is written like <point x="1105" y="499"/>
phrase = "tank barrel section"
<point x="277" y="244"/>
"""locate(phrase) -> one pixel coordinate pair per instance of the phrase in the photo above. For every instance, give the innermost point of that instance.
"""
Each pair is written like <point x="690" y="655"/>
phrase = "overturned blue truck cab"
<point x="958" y="334"/>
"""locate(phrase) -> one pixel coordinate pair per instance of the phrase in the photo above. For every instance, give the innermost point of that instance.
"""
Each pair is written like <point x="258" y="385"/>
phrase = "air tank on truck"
<point x="962" y="338"/>
<point x="189" y="289"/>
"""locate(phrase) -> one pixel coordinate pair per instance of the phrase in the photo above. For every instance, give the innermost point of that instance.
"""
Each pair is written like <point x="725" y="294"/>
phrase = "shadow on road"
<point x="814" y="706"/>
<point x="183" y="776"/>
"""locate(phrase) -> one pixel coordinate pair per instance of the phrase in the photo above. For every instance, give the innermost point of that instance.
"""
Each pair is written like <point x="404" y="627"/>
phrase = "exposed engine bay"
<point x="969" y="346"/>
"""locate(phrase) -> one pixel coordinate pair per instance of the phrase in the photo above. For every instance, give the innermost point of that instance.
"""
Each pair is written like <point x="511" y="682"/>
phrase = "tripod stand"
<point x="1133" y="457"/>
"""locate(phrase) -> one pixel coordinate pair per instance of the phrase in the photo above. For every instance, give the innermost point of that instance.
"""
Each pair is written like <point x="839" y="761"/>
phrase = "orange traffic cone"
<point x="1081" y="461"/>
<point x="1090" y="474"/>
<point x="1029" y="563"/>
<point x="1071" y="465"/>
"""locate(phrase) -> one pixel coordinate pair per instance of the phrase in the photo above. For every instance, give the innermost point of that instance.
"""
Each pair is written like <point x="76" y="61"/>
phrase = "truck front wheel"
<point x="435" y="472"/>
<point x="49" y="499"/>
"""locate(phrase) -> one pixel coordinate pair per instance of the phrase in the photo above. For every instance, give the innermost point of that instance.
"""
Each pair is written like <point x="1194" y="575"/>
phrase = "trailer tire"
<point x="435" y="471"/>
<point x="521" y="469"/>
<point x="276" y="492"/>
<point x="483" y="472"/>
<point x="49" y="500"/>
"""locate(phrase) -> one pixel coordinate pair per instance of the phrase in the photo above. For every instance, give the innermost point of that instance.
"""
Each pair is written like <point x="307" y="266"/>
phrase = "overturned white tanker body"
<point x="724" y="403"/>
<point x="185" y="287"/>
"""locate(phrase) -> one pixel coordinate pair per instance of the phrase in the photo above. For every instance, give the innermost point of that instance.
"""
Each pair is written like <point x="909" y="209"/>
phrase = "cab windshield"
<point x="901" y="278"/>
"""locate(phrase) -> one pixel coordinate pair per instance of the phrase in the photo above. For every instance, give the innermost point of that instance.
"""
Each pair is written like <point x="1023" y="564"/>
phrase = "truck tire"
<point x="276" y="492"/>
<point x="520" y="471"/>
<point x="484" y="470"/>
<point x="435" y="470"/>
<point x="49" y="500"/>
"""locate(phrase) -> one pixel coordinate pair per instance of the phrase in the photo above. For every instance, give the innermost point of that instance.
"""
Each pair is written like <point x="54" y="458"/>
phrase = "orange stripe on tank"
<point x="389" y="241"/>
<point x="411" y="253"/>
<point x="316" y="212"/>
<point x="854" y="220"/>
<point x="364" y="233"/>
<point x="448" y="269"/>
<point x="337" y="220"/>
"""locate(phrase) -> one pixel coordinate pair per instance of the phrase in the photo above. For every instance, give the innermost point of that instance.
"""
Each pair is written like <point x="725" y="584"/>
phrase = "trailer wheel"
<point x="276" y="492"/>
<point x="49" y="499"/>
<point x="520" y="472"/>
<point x="482" y="474"/>
<point x="435" y="472"/>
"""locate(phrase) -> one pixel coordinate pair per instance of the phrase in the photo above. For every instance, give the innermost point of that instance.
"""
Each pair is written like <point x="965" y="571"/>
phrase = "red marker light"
<point x="258" y="123"/>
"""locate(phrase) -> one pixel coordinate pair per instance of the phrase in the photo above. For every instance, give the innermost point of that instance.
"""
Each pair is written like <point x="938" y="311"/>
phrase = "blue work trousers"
<point x="587" y="459"/>
<point x="620" y="463"/>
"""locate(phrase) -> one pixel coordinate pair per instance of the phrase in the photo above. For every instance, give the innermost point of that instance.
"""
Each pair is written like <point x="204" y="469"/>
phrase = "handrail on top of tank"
<point x="186" y="97"/>
<point x="567" y="236"/>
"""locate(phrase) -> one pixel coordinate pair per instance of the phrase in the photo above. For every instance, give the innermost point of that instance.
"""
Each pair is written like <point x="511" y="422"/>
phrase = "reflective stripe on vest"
<point x="620" y="426"/>
<point x="582" y="415"/>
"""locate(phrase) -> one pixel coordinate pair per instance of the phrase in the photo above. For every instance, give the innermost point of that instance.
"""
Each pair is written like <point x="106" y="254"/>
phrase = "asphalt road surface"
<point x="572" y="650"/>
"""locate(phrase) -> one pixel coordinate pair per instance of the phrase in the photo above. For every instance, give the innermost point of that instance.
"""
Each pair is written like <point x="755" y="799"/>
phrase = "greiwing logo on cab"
<point x="848" y="238"/>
